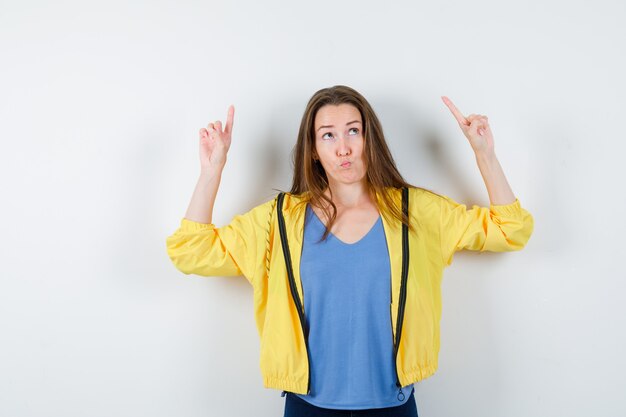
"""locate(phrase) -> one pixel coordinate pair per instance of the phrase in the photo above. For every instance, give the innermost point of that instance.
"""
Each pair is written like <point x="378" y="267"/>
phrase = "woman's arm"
<point x="503" y="226"/>
<point x="476" y="129"/>
<point x="200" y="208"/>
<point x="500" y="192"/>
<point x="214" y="145"/>
<point x="198" y="246"/>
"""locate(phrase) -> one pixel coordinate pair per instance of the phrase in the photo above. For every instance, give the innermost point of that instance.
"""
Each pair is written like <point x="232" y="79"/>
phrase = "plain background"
<point x="100" y="107"/>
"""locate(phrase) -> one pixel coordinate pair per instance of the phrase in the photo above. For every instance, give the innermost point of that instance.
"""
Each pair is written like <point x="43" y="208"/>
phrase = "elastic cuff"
<point x="511" y="209"/>
<point x="192" y="226"/>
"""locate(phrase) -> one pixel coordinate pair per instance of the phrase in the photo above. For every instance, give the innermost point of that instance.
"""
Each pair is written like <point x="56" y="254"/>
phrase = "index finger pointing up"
<point x="457" y="114"/>
<point x="229" y="119"/>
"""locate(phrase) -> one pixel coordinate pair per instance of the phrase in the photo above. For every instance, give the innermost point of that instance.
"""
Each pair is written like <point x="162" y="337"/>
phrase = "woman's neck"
<point x="349" y="195"/>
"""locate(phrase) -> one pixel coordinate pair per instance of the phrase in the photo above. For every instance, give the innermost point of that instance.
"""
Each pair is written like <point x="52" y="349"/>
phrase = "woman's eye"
<point x="328" y="133"/>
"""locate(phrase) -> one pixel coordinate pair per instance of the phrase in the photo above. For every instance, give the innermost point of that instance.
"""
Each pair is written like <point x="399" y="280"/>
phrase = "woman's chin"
<point x="348" y="178"/>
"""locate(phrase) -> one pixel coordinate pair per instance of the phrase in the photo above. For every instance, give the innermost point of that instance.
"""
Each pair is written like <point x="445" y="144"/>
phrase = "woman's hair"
<point x="309" y="177"/>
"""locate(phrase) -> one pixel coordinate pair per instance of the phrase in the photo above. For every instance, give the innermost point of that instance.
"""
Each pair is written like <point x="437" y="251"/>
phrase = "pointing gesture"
<point x="475" y="127"/>
<point x="214" y="142"/>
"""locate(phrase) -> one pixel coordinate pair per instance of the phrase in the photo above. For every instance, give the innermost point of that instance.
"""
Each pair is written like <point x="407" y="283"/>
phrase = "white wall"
<point x="100" y="107"/>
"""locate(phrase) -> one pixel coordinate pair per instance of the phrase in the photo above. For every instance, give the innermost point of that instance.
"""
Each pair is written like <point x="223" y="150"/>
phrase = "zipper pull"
<point x="282" y="394"/>
<point x="400" y="394"/>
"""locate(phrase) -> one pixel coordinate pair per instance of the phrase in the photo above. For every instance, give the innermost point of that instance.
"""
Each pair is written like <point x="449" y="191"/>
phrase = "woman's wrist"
<point x="212" y="170"/>
<point x="488" y="157"/>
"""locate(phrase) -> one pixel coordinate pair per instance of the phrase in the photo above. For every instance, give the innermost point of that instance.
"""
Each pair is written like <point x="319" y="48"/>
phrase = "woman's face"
<point x="339" y="143"/>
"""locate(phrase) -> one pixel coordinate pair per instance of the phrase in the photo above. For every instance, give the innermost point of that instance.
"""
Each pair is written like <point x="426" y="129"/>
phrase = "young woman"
<point x="346" y="267"/>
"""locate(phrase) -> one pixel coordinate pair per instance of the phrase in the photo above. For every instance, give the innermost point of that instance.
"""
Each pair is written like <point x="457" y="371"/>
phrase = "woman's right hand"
<point x="214" y="142"/>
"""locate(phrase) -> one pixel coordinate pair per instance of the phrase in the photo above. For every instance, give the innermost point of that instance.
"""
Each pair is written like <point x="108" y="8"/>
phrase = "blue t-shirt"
<point x="347" y="301"/>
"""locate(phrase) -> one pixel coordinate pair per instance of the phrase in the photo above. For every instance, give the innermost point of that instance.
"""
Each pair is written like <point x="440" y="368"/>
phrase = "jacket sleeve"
<point x="232" y="250"/>
<point x="499" y="228"/>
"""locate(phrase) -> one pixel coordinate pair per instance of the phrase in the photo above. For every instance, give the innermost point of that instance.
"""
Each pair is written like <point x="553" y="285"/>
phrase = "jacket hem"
<point x="297" y="386"/>
<point x="418" y="374"/>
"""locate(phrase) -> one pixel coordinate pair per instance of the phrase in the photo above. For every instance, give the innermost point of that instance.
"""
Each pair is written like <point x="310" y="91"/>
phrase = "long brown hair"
<point x="310" y="180"/>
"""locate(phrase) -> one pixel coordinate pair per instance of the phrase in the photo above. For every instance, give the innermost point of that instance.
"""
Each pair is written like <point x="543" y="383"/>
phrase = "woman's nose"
<point x="343" y="148"/>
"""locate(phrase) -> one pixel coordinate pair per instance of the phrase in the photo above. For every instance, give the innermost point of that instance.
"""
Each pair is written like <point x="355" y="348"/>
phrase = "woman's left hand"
<point x="475" y="127"/>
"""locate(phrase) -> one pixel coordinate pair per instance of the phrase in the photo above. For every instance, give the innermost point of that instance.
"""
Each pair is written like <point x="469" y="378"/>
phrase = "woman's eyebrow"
<point x="349" y="123"/>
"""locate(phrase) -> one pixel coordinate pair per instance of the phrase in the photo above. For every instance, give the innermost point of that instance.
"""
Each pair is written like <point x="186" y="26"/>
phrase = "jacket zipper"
<point x="292" y="286"/>
<point x="405" y="264"/>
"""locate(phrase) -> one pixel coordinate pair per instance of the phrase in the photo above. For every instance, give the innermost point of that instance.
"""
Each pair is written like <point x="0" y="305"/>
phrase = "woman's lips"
<point x="345" y="164"/>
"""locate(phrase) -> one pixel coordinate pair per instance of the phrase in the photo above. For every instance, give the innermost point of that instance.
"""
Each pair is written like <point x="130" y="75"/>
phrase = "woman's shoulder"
<point x="427" y="194"/>
<point x="417" y="193"/>
<point x="289" y="201"/>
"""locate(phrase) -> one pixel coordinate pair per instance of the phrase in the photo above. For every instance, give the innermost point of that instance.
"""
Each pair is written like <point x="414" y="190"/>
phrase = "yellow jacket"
<point x="251" y="246"/>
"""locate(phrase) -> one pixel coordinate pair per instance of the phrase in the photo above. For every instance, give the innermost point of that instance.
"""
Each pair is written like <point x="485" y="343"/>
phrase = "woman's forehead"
<point x="331" y="114"/>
